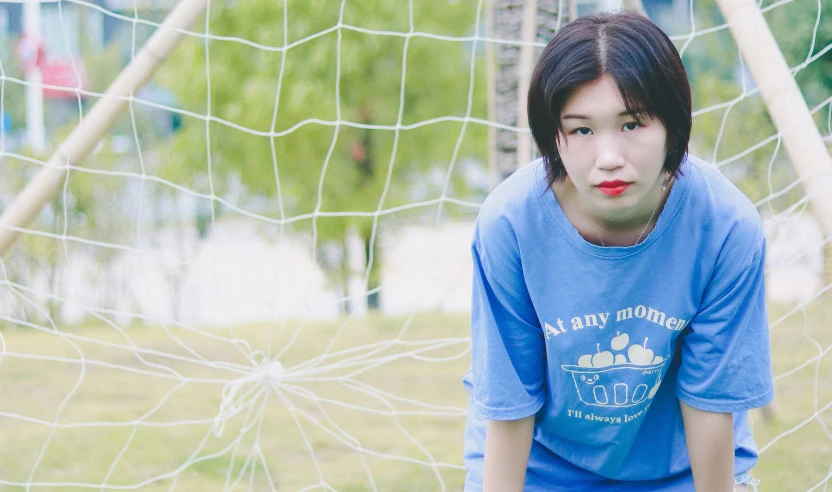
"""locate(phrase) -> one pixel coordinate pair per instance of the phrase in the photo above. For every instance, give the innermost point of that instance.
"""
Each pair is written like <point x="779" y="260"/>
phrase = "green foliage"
<point x="259" y="89"/>
<point x="793" y="26"/>
<point x="80" y="209"/>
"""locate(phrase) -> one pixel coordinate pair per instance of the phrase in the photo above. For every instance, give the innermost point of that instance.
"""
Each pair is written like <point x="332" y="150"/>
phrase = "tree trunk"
<point x="53" y="260"/>
<point x="373" y="281"/>
<point x="363" y="157"/>
<point x="355" y="258"/>
<point x="508" y="20"/>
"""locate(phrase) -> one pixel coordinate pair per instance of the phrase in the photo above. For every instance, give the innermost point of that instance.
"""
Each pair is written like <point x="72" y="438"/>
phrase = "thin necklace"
<point x="664" y="187"/>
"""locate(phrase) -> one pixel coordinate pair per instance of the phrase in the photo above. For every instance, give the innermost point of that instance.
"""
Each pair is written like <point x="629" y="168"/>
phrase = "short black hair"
<point x="641" y="59"/>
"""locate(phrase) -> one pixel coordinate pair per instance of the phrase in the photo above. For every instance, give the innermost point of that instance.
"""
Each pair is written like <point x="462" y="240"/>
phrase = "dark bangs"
<point x="640" y="58"/>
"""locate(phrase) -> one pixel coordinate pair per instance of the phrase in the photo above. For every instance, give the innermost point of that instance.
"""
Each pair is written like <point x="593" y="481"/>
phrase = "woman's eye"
<point x="583" y="131"/>
<point x="631" y="126"/>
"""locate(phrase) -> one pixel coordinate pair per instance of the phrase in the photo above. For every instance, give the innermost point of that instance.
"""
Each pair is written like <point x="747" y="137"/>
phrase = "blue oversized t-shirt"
<point x="601" y="343"/>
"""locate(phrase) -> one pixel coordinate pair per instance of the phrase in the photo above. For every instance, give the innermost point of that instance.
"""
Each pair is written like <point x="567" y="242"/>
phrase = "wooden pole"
<point x="786" y="106"/>
<point x="524" y="74"/>
<point x="491" y="75"/>
<point x="98" y="121"/>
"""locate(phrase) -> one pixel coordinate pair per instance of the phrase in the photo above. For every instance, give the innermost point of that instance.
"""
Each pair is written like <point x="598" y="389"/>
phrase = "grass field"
<point x="137" y="407"/>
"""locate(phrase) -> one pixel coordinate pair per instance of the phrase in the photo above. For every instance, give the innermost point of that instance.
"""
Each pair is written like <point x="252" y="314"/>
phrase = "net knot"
<point x="238" y="394"/>
<point x="272" y="371"/>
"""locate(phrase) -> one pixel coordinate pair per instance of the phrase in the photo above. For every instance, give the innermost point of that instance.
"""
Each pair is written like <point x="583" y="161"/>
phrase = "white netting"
<point x="191" y="311"/>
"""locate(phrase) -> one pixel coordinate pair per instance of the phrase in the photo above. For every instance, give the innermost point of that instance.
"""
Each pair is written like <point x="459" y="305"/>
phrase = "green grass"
<point x="140" y="393"/>
<point x="190" y="393"/>
<point x="796" y="445"/>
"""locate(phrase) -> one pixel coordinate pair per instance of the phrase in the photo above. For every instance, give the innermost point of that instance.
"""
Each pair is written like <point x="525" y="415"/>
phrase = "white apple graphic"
<point x="585" y="361"/>
<point x="602" y="359"/>
<point x="654" y="390"/>
<point x="620" y="342"/>
<point x="620" y="359"/>
<point x="639" y="355"/>
<point x="657" y="359"/>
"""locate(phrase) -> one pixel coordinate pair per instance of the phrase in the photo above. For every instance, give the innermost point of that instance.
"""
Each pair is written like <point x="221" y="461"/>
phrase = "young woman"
<point x="619" y="325"/>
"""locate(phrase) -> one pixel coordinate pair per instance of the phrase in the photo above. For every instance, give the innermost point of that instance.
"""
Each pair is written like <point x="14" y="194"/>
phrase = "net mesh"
<point x="191" y="311"/>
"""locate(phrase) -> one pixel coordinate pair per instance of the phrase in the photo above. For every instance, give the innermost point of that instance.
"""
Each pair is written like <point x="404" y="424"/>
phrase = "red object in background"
<point x="30" y="53"/>
<point x="69" y="73"/>
<point x="357" y="152"/>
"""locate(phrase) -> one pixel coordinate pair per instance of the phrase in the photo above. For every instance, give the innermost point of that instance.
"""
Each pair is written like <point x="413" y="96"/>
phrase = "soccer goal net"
<point x="256" y="274"/>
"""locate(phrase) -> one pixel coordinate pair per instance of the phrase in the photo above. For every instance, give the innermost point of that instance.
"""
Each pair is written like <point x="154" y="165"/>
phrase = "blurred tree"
<point x="296" y="98"/>
<point x="803" y="29"/>
<point x="87" y="209"/>
<point x="91" y="207"/>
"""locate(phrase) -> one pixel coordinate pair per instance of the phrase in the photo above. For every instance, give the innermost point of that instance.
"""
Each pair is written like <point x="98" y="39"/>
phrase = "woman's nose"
<point x="609" y="154"/>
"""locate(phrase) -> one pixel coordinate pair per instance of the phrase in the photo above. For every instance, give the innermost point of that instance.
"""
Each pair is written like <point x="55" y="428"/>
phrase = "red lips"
<point x="613" y="188"/>
<point x="613" y="184"/>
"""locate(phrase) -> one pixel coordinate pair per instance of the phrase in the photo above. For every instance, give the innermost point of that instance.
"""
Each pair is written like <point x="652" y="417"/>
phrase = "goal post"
<point x="97" y="122"/>
<point x="165" y="356"/>
<point x="785" y="103"/>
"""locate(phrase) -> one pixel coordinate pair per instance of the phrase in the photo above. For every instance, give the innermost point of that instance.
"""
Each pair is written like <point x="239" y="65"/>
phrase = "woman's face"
<point x="602" y="144"/>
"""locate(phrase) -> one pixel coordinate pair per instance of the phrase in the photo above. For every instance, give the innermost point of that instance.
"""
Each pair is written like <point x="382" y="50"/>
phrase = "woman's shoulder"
<point x="516" y="190"/>
<point x="721" y="207"/>
<point x="511" y="200"/>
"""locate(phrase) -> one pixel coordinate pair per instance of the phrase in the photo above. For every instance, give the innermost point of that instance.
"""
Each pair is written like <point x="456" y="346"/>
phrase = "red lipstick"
<point x="613" y="188"/>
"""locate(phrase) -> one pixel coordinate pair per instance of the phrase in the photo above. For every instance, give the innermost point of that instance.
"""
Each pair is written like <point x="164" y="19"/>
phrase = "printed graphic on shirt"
<point x="621" y="377"/>
<point x="602" y="320"/>
<point x="619" y="370"/>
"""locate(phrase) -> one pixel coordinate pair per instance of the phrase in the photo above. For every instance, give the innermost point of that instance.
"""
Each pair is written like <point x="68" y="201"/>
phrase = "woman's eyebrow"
<point x="582" y="117"/>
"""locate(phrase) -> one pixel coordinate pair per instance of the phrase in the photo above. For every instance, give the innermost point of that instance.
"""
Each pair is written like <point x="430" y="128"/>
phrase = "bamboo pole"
<point x="524" y="74"/>
<point x="786" y="106"/>
<point x="98" y="121"/>
<point x="491" y="74"/>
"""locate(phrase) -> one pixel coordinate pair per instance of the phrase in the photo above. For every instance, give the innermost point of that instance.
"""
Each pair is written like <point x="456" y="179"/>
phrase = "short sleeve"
<point x="725" y="350"/>
<point x="508" y="349"/>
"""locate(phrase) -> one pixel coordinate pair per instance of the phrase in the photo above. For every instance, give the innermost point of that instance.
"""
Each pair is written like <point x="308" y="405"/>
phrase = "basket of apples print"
<point x="618" y="380"/>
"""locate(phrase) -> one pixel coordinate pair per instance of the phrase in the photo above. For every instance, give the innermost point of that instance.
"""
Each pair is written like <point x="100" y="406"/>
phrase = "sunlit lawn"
<point x="137" y="407"/>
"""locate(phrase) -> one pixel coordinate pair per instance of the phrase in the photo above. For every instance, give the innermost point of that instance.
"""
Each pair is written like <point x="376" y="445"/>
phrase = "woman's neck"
<point x="620" y="230"/>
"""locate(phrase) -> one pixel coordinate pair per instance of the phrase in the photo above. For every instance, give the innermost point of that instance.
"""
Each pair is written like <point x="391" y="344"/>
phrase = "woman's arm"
<point x="507" y="447"/>
<point x="710" y="438"/>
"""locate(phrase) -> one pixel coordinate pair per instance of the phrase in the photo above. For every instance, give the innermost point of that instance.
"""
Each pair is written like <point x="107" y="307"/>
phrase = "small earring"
<point x="664" y="183"/>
